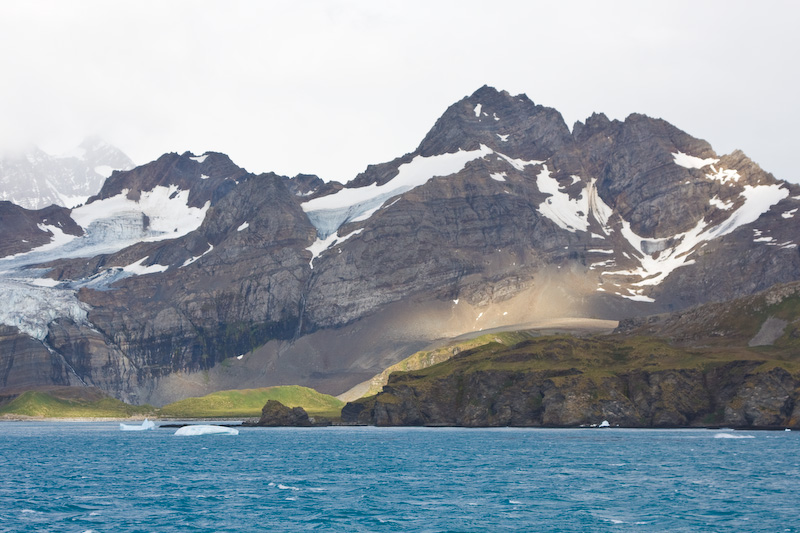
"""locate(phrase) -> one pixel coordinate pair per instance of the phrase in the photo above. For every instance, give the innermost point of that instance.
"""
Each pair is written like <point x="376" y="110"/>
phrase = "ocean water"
<point x="92" y="477"/>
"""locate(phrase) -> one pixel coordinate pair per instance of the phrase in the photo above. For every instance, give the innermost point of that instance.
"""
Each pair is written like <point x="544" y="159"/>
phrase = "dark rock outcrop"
<point x="276" y="414"/>
<point x="23" y="230"/>
<point x="734" y="395"/>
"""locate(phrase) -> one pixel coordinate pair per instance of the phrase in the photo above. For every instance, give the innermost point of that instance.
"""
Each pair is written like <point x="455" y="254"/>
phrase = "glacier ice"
<point x="329" y="213"/>
<point x="31" y="308"/>
<point x="147" y="424"/>
<point x="205" y="429"/>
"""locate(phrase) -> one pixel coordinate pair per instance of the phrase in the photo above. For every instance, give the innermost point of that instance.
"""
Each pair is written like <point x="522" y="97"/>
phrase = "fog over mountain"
<point x="34" y="179"/>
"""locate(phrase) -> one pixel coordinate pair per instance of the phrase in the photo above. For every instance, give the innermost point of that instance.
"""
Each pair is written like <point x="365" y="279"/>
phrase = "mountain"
<point x="189" y="275"/>
<point x="34" y="179"/>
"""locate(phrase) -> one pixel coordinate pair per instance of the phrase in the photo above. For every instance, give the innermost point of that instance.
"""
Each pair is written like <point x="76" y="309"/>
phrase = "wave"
<point x="732" y="436"/>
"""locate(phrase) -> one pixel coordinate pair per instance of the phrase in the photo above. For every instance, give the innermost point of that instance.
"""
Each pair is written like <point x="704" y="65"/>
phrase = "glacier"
<point x="31" y="308"/>
<point x="329" y="213"/>
<point x="31" y="302"/>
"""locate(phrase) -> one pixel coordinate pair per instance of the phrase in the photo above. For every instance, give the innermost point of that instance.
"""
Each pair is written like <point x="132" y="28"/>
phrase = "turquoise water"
<point x="92" y="477"/>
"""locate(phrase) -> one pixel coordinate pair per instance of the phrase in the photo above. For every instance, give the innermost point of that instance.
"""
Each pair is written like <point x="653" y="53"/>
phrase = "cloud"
<point x="331" y="86"/>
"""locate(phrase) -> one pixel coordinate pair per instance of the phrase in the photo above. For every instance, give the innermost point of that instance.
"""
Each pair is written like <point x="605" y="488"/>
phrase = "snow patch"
<point x="723" y="175"/>
<point x="690" y="161"/>
<point x="193" y="259"/>
<point x="204" y="176"/>
<point x="137" y="269"/>
<point x="568" y="214"/>
<point x="477" y="110"/>
<point x="503" y="138"/>
<point x="199" y="158"/>
<point x="320" y="245"/>
<point x="719" y="204"/>
<point x="243" y="227"/>
<point x="789" y="214"/>
<point x="519" y="164"/>
<point x="498" y="176"/>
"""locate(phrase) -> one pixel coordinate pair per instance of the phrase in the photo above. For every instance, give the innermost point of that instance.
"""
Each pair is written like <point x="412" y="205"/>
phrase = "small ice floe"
<point x="147" y="424"/>
<point x="205" y="429"/>
<point x="604" y="424"/>
<point x="787" y="429"/>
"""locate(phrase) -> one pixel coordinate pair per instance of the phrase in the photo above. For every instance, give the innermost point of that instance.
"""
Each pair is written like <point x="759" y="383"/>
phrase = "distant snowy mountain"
<point x="34" y="179"/>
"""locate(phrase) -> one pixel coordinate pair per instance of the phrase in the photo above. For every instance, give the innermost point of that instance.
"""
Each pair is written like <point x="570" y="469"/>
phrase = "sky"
<point x="328" y="87"/>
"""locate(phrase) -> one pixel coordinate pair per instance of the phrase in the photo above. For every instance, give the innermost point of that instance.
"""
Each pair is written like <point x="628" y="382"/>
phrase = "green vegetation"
<point x="249" y="402"/>
<point x="596" y="358"/>
<point x="71" y="402"/>
<point x="427" y="358"/>
<point x="81" y="402"/>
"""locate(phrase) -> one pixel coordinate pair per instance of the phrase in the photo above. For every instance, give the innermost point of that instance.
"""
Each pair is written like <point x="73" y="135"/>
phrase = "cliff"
<point x="567" y="382"/>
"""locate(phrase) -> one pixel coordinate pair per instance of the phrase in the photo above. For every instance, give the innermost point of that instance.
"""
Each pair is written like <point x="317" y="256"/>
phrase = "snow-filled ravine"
<point x="658" y="260"/>
<point x="109" y="225"/>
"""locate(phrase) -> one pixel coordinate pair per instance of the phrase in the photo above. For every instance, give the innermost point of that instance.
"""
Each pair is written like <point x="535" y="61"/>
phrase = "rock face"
<point x="734" y="395"/>
<point x="188" y="273"/>
<point x="276" y="414"/>
<point x="24" y="230"/>
<point x="696" y="367"/>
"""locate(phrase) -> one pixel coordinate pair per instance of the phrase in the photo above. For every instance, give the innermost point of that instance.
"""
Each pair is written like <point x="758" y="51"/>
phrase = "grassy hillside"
<point x="71" y="402"/>
<point x="564" y="381"/>
<point x="427" y="358"/>
<point x="604" y="356"/>
<point x="249" y="402"/>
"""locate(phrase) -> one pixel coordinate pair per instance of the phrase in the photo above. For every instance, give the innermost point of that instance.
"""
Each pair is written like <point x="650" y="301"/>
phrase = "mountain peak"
<point x="513" y="125"/>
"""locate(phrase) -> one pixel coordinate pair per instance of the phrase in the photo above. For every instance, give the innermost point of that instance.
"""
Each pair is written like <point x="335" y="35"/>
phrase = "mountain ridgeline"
<point x="189" y="275"/>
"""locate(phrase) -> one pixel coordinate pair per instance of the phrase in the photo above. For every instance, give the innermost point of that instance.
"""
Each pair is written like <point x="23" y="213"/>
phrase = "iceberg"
<point x="604" y="424"/>
<point x="147" y="424"/>
<point x="204" y="429"/>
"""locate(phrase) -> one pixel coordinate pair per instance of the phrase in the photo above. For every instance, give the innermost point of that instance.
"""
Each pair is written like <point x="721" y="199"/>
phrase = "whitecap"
<point x="515" y="502"/>
<point x="732" y="436"/>
<point x="287" y="487"/>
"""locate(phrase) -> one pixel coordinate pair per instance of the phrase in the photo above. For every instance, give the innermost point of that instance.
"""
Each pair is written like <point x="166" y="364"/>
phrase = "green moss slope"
<point x="71" y="403"/>
<point x="249" y="402"/>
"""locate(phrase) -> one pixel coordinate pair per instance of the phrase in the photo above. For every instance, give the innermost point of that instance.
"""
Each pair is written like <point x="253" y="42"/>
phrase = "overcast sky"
<point x="328" y="87"/>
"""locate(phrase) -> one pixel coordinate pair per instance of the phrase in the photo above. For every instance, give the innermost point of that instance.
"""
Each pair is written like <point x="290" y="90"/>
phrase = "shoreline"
<point x="176" y="422"/>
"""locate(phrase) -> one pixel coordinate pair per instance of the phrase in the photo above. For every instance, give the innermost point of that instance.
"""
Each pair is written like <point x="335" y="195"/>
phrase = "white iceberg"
<point x="147" y="424"/>
<point x="205" y="429"/>
<point x="604" y="424"/>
